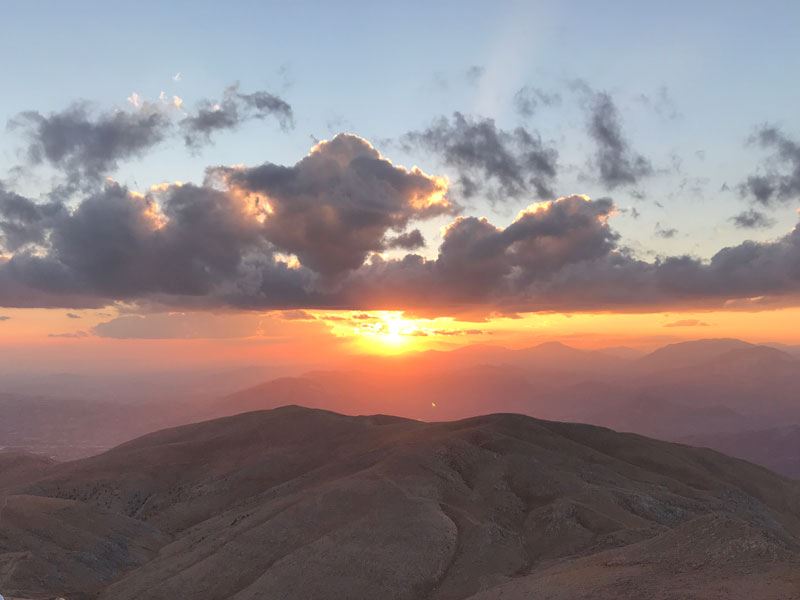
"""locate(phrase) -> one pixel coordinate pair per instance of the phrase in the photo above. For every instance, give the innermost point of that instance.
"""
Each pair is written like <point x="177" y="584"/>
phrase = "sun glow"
<point x="388" y="332"/>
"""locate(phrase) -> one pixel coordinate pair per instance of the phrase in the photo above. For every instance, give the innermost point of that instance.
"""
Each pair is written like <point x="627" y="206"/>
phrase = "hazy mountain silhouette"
<point x="700" y="388"/>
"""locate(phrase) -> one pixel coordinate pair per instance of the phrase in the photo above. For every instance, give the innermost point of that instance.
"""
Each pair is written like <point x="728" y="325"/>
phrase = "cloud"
<point x="4" y="318"/>
<point x="335" y="207"/>
<point x="72" y="335"/>
<point x="474" y="74"/>
<point x="616" y="164"/>
<point x="687" y="323"/>
<point x="411" y="240"/>
<point x="662" y="104"/>
<point x="270" y="235"/>
<point x="229" y="113"/>
<point x="752" y="219"/>
<point x="310" y="236"/>
<point x="180" y="326"/>
<point x="780" y="180"/>
<point x="516" y="161"/>
<point x="23" y="221"/>
<point x="73" y="316"/>
<point x="528" y="99"/>
<point x="563" y="256"/>
<point x="86" y="144"/>
<point x="296" y="315"/>
<point x="666" y="233"/>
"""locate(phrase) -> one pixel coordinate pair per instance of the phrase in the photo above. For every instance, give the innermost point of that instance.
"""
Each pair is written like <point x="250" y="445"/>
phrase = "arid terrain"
<point x="303" y="503"/>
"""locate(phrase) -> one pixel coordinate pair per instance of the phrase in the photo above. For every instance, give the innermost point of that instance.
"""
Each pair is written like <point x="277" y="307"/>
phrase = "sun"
<point x="387" y="332"/>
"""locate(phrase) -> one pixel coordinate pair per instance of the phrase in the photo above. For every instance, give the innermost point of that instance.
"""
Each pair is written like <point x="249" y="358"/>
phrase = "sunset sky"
<point x="198" y="185"/>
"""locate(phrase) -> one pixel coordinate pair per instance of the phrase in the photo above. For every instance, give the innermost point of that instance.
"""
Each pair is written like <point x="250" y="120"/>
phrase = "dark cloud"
<point x="335" y="207"/>
<point x="309" y="236"/>
<point x="752" y="219"/>
<point x="565" y="257"/>
<point x="478" y="260"/>
<point x="411" y="240"/>
<point x="230" y="112"/>
<point x="528" y="99"/>
<point x="517" y="162"/>
<point x="73" y="316"/>
<point x="228" y="242"/>
<point x="687" y="323"/>
<point x="666" y="233"/>
<point x="633" y="212"/>
<point x="614" y="161"/>
<point x="23" y="221"/>
<point x="4" y="318"/>
<point x="86" y="144"/>
<point x="780" y="179"/>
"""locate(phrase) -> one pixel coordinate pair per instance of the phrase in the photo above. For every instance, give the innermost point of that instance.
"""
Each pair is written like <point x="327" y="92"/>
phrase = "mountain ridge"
<point x="290" y="503"/>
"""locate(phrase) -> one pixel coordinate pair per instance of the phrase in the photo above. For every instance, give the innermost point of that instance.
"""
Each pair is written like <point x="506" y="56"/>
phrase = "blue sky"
<point x="383" y="69"/>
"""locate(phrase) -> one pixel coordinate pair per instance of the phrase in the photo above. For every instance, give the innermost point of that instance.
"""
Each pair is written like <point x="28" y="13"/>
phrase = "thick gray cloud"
<point x="565" y="257"/>
<point x="517" y="162"/>
<point x="780" y="179"/>
<point x="752" y="219"/>
<point x="410" y="240"/>
<point x="228" y="242"/>
<point x="23" y="221"/>
<point x="87" y="144"/>
<point x="528" y="99"/>
<point x="309" y="236"/>
<point x="229" y="113"/>
<point x="616" y="163"/>
<point x="335" y="206"/>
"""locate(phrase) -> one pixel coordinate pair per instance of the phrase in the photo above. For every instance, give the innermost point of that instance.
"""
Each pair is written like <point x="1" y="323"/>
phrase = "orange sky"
<point x="77" y="339"/>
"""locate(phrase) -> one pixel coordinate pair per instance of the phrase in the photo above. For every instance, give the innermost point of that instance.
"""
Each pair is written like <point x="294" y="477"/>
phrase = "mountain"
<point x="420" y="394"/>
<point x="688" y="354"/>
<point x="777" y="448"/>
<point x="692" y="388"/>
<point x="622" y="352"/>
<point x="757" y="381"/>
<point x="296" y="503"/>
<point x="20" y="467"/>
<point x="56" y="547"/>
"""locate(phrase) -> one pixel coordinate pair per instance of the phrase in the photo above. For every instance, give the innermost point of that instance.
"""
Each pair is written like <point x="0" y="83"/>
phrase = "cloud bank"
<point x="313" y="235"/>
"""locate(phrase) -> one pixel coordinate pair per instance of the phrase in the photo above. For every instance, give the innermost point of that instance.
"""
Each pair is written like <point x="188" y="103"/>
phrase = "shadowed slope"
<point x="299" y="503"/>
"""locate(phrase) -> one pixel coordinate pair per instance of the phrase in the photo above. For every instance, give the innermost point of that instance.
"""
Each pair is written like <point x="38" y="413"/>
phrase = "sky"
<point x="382" y="177"/>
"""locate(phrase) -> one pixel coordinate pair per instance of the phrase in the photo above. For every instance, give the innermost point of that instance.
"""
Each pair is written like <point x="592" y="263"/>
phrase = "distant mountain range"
<point x="702" y="391"/>
<point x="296" y="503"/>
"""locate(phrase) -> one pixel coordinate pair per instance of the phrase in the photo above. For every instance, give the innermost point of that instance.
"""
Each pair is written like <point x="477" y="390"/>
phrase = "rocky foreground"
<point x="295" y="503"/>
